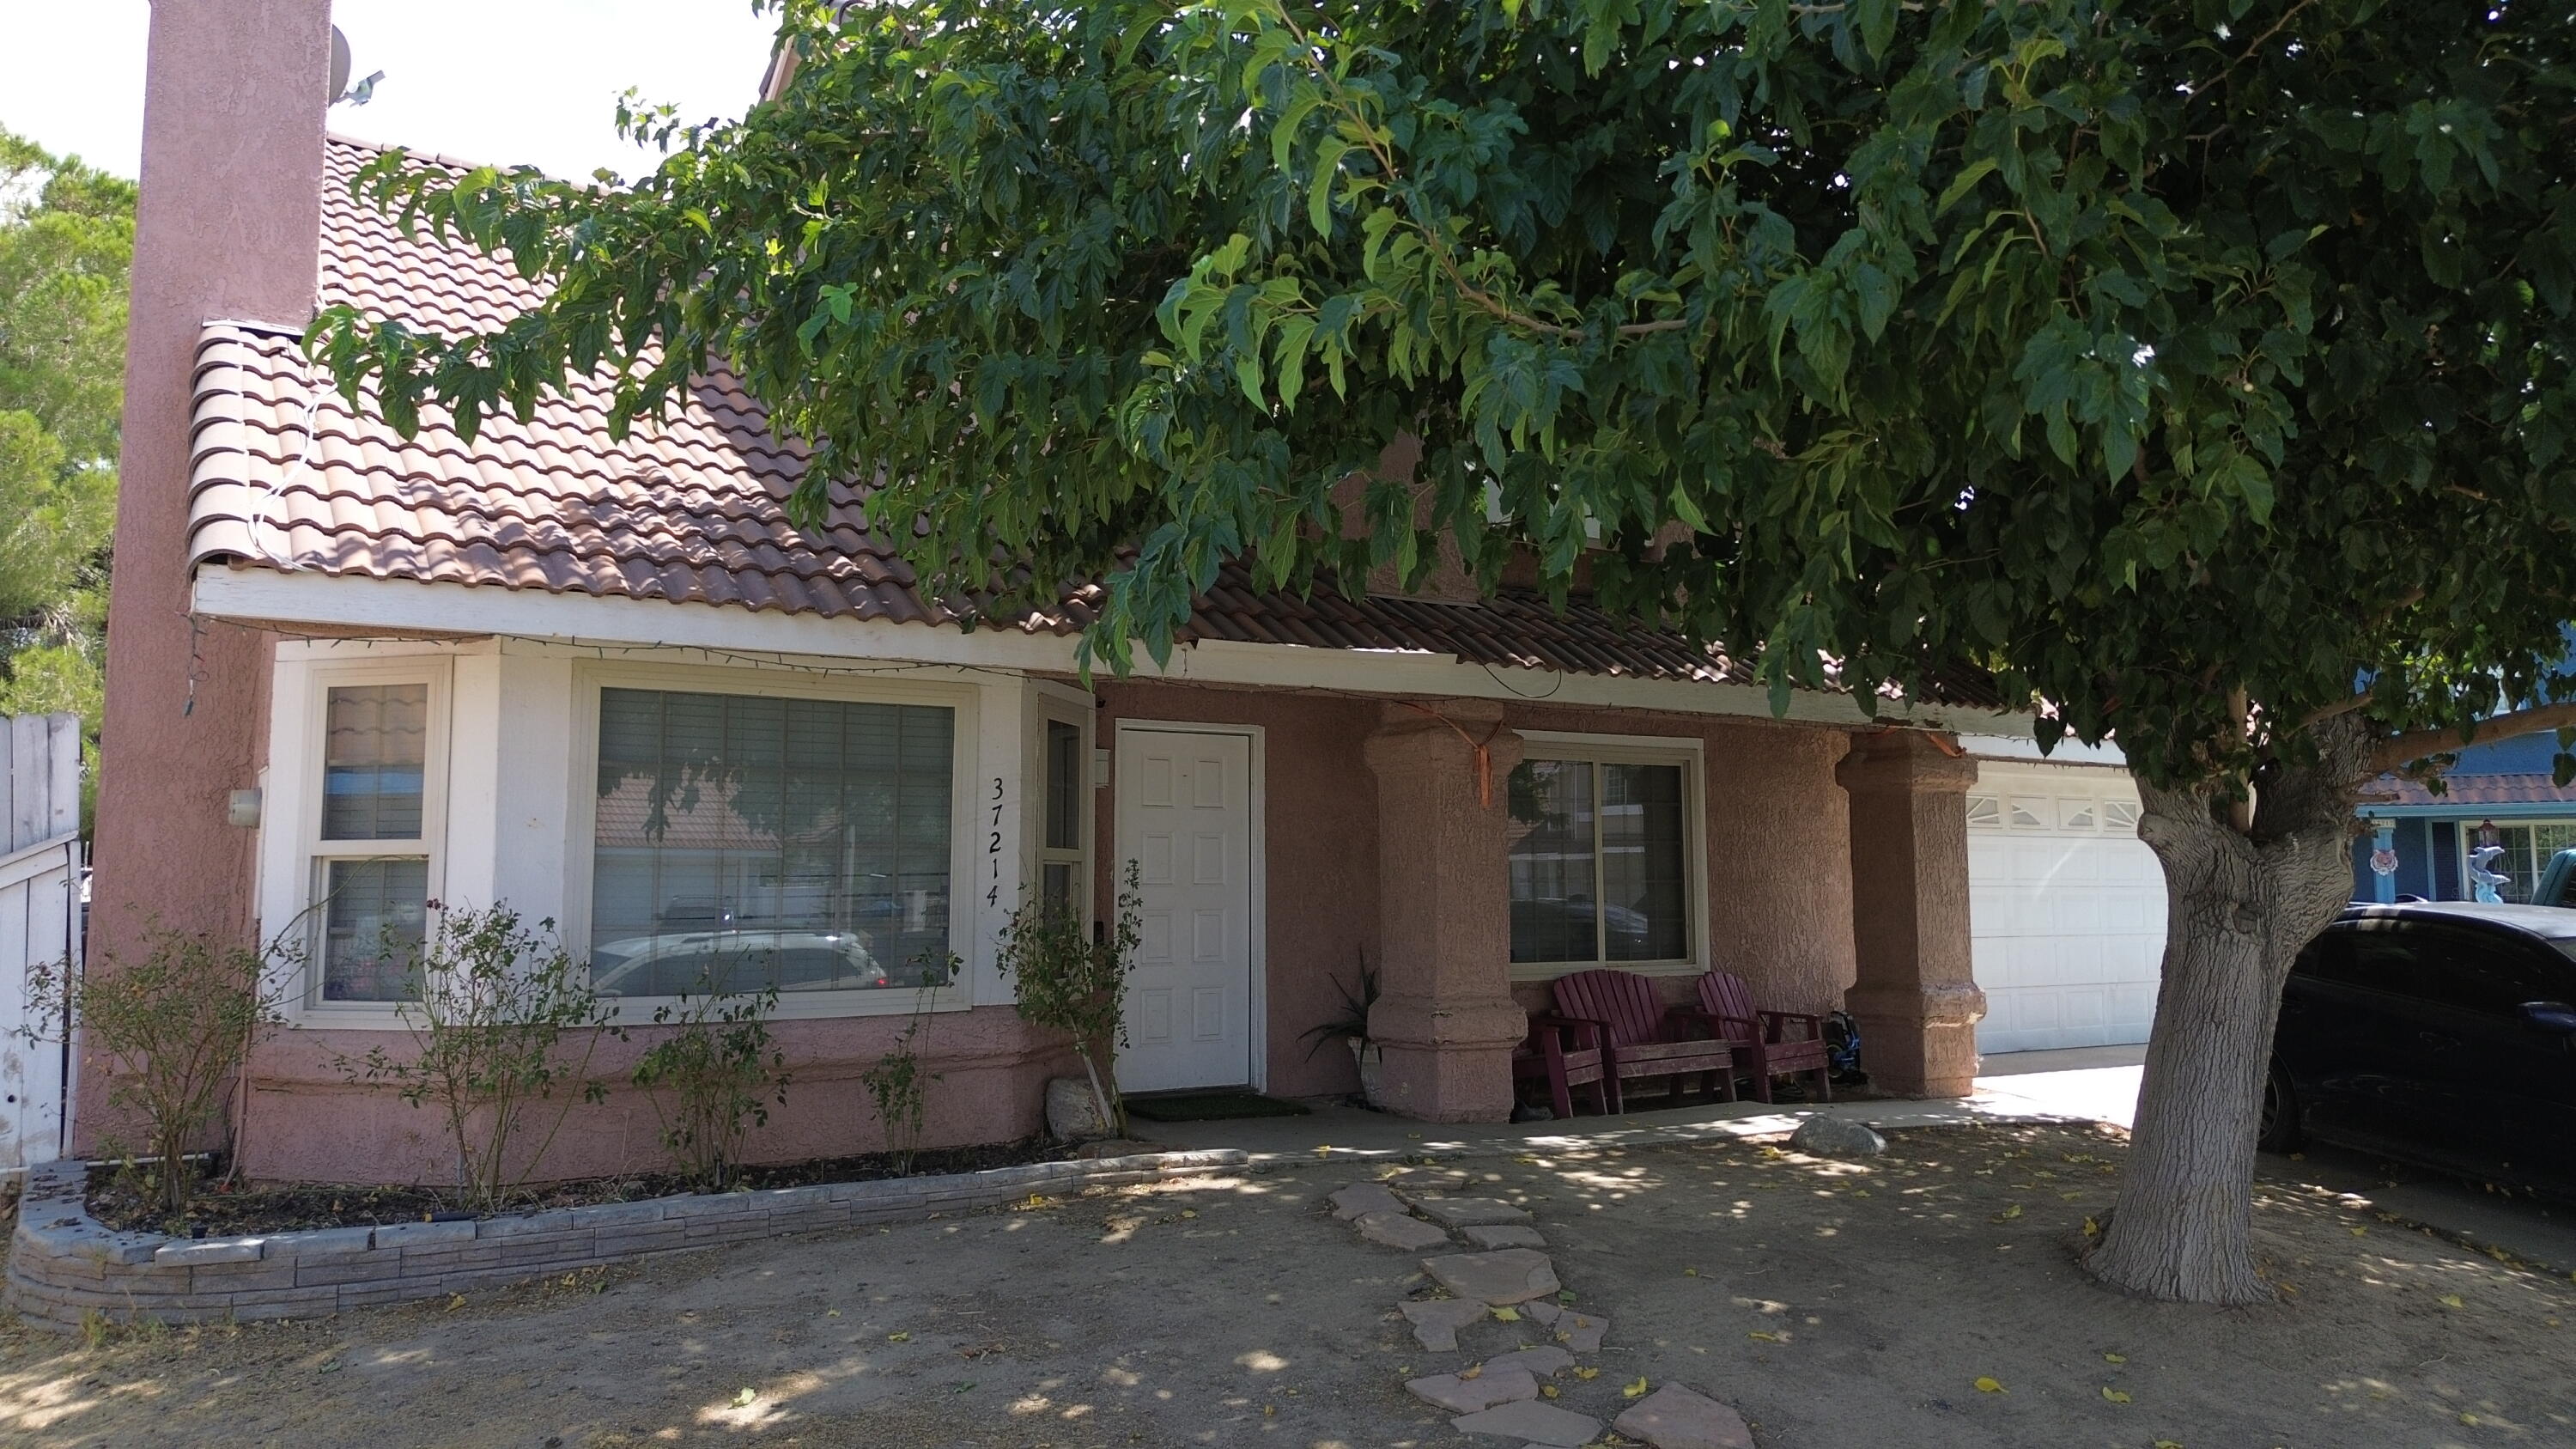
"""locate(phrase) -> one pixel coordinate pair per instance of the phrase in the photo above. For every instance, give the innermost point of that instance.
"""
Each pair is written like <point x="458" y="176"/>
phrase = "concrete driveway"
<point x="2101" y="1084"/>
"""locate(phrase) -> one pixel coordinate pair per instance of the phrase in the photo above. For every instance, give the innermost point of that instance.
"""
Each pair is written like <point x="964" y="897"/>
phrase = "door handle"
<point x="2436" y="1040"/>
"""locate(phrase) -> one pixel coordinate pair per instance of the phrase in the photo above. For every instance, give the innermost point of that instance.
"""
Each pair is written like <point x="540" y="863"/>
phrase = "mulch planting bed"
<point x="124" y="1200"/>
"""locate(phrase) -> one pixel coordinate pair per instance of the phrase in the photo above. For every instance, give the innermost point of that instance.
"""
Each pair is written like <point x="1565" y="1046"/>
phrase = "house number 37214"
<point x="993" y="849"/>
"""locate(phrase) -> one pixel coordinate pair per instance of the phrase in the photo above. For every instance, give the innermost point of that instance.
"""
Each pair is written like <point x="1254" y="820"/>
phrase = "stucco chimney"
<point x="227" y="227"/>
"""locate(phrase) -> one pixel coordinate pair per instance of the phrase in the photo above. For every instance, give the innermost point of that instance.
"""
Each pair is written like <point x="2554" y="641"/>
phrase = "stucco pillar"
<point x="1445" y="1017"/>
<point x="1916" y="996"/>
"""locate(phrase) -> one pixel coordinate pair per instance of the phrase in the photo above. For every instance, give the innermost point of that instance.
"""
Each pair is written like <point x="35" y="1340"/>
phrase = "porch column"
<point x="1916" y="997"/>
<point x="1444" y="1019"/>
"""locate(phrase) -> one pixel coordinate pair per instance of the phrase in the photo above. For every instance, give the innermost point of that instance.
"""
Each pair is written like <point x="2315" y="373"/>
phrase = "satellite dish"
<point x="359" y="94"/>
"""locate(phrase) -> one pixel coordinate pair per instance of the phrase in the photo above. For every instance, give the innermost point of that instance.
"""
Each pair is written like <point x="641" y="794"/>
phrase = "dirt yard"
<point x="1926" y="1299"/>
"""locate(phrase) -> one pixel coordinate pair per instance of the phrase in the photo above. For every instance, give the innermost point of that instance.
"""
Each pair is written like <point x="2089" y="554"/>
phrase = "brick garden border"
<point x="64" y="1264"/>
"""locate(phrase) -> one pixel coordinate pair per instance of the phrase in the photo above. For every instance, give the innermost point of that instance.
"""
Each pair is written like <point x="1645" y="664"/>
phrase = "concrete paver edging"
<point x="64" y="1264"/>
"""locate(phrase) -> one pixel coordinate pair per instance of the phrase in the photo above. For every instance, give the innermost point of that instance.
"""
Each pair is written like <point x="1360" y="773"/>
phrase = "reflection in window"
<point x="1599" y="862"/>
<point x="1060" y="849"/>
<point x="375" y="739"/>
<point x="375" y="748"/>
<point x="743" y="843"/>
<point x="372" y="923"/>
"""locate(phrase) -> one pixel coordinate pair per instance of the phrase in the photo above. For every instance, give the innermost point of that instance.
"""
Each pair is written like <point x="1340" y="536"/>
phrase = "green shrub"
<point x="170" y="1032"/>
<point x="491" y="1008"/>
<point x="712" y="1079"/>
<point x="1076" y="982"/>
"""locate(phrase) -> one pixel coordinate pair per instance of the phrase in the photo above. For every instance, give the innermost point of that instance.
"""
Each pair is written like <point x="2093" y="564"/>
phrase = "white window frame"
<point x="313" y="854"/>
<point x="1053" y="704"/>
<point x="2465" y="842"/>
<point x="582" y="818"/>
<point x="1690" y="753"/>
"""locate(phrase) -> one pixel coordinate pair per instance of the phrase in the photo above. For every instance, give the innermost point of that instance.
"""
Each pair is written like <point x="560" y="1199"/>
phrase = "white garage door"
<point x="2066" y="908"/>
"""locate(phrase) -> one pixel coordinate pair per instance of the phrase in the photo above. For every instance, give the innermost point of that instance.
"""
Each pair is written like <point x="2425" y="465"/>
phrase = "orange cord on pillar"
<point x="1482" y="750"/>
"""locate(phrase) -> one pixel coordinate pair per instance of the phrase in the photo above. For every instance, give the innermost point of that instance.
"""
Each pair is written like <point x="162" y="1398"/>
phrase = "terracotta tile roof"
<point x="2468" y="792"/>
<point x="287" y="476"/>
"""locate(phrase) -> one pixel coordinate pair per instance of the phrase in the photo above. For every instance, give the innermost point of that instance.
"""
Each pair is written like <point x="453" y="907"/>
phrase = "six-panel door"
<point x="1185" y="818"/>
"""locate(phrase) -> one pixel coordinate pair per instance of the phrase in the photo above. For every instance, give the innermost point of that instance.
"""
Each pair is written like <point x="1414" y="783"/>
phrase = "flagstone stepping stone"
<point x="1396" y="1230"/>
<point x="1436" y="1321"/>
<point x="1502" y="1235"/>
<point x="1468" y="1396"/>
<point x="1674" y="1417"/>
<point x="1546" y="1360"/>
<point x="1532" y="1422"/>
<point x="1460" y="1212"/>
<point x="1512" y="1275"/>
<point x="1581" y="1332"/>
<point x="1362" y="1198"/>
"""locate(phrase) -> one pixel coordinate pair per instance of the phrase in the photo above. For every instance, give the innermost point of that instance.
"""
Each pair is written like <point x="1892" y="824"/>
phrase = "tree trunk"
<point x="2239" y="907"/>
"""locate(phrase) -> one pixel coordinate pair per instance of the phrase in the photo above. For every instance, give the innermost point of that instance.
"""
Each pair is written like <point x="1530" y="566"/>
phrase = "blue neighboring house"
<point x="2499" y="793"/>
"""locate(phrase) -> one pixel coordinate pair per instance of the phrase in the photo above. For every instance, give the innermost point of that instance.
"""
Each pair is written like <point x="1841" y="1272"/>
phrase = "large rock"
<point x="1673" y="1417"/>
<point x="1502" y="1235"/>
<point x="1469" y="1396"/>
<point x="1396" y="1230"/>
<point x="1837" y="1137"/>
<point x="1361" y="1198"/>
<point x="1460" y="1212"/>
<point x="1532" y="1422"/>
<point x="1436" y="1321"/>
<point x="1513" y="1275"/>
<point x="1072" y="1113"/>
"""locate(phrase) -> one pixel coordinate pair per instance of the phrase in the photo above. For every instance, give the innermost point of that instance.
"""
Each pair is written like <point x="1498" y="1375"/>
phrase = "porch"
<point x="1464" y="853"/>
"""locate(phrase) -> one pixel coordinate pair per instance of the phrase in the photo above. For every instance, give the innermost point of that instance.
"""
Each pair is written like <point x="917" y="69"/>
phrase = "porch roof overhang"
<point x="345" y="606"/>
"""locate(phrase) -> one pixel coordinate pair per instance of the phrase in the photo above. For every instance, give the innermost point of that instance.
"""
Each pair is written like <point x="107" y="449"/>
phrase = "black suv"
<point x="2441" y="1033"/>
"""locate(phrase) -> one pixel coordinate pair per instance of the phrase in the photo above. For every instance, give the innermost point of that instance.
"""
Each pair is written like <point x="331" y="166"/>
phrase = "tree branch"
<point x="2414" y="745"/>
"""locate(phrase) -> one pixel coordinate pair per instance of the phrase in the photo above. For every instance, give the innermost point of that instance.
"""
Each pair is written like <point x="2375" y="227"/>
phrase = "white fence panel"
<point x="40" y="923"/>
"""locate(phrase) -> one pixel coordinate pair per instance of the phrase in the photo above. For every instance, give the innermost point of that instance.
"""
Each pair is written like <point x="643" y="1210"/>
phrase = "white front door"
<point x="1185" y="819"/>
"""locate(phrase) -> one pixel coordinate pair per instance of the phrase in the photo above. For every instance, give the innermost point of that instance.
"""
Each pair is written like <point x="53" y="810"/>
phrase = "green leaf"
<point x="1963" y="183"/>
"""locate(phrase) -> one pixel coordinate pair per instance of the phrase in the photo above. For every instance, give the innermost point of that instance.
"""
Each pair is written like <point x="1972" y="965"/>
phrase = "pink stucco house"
<point x="608" y="684"/>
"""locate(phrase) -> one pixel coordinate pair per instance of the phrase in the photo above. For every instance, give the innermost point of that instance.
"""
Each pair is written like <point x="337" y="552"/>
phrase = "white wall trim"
<point x="1258" y="867"/>
<point x="342" y="603"/>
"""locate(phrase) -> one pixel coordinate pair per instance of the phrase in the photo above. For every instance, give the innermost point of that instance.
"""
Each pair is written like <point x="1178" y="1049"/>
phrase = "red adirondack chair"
<point x="1762" y="1039"/>
<point x="1566" y="1055"/>
<point x="1637" y="1036"/>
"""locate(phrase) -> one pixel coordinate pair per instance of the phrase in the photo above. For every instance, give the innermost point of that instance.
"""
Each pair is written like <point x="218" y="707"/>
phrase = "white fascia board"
<point x="266" y="596"/>
<point x="2023" y="747"/>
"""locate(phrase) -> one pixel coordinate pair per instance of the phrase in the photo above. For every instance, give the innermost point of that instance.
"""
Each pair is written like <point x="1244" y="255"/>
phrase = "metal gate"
<point x="40" y="924"/>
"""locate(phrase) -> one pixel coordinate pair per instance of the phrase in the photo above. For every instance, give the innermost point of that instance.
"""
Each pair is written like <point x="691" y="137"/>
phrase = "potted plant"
<point x="1351" y="1028"/>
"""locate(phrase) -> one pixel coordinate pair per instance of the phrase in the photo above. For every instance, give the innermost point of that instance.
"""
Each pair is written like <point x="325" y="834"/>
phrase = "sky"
<point x="500" y="81"/>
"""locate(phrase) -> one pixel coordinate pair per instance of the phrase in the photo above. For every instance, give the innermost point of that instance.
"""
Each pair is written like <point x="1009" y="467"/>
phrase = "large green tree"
<point x="66" y="243"/>
<point x="2200" y="368"/>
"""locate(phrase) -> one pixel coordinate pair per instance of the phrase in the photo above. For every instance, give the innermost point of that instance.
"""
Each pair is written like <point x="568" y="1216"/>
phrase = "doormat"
<point x="1211" y="1107"/>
